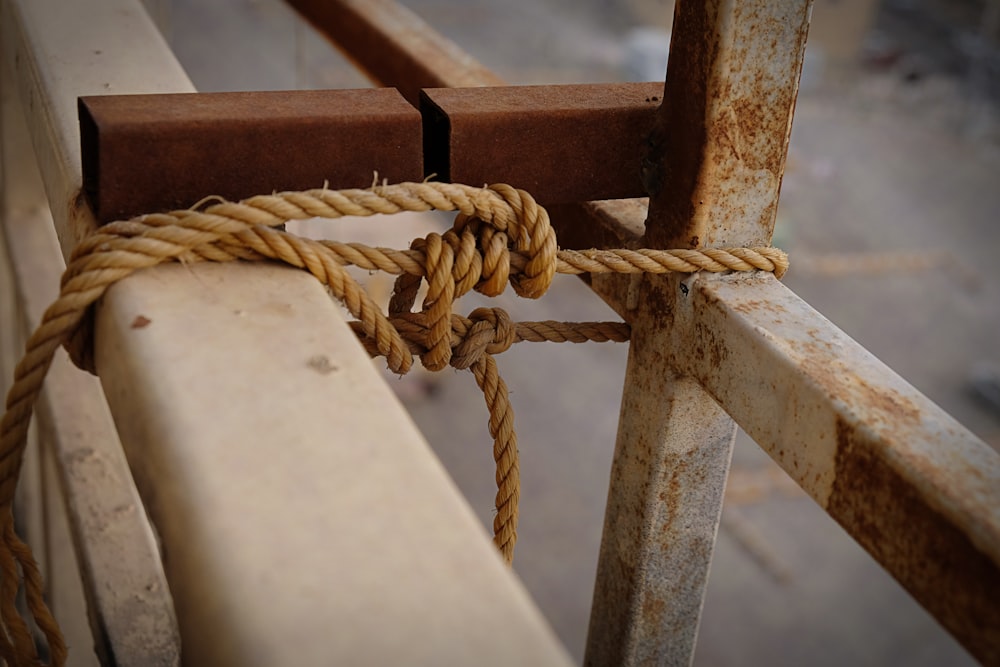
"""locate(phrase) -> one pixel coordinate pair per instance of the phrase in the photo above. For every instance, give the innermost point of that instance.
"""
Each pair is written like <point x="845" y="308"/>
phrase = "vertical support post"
<point x="714" y="168"/>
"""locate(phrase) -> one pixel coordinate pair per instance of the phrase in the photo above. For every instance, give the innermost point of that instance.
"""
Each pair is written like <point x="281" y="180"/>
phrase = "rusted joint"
<point x="562" y="144"/>
<point x="144" y="153"/>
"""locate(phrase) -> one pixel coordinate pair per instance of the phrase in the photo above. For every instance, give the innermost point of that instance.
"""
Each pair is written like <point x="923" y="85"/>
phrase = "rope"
<point x="500" y="236"/>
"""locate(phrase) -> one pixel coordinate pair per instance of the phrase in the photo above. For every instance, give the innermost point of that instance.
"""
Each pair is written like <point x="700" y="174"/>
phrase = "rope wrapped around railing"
<point x="500" y="236"/>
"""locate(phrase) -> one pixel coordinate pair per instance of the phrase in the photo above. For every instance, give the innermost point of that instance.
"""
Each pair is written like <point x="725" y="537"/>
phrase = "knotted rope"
<point x="500" y="235"/>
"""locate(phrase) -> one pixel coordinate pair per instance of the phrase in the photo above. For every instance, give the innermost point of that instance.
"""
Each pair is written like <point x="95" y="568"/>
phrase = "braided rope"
<point x="501" y="235"/>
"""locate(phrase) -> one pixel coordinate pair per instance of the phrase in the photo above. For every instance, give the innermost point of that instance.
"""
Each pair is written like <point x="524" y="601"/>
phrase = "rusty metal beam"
<point x="145" y="153"/>
<point x="909" y="483"/>
<point x="718" y="151"/>
<point x="394" y="46"/>
<point x="713" y="174"/>
<point x="301" y="139"/>
<point x="534" y="136"/>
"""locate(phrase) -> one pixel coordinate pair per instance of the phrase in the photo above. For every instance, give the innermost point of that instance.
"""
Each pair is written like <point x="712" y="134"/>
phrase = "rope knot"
<point x="487" y="331"/>
<point x="514" y="221"/>
<point x="496" y="226"/>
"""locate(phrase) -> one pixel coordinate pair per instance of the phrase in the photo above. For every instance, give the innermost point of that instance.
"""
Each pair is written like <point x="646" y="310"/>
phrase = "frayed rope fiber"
<point x="500" y="235"/>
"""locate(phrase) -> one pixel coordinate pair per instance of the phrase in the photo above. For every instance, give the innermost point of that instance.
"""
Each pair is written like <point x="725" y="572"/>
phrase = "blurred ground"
<point x="889" y="210"/>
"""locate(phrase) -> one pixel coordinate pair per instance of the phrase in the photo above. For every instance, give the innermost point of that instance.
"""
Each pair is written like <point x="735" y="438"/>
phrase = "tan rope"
<point x="500" y="236"/>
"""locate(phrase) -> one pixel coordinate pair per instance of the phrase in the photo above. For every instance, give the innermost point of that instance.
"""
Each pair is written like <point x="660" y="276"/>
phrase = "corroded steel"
<point x="914" y="487"/>
<point x="236" y="145"/>
<point x="905" y="480"/>
<point x="393" y="46"/>
<point x="294" y="141"/>
<point x="533" y="136"/>
<point x="713" y="172"/>
<point x="717" y="155"/>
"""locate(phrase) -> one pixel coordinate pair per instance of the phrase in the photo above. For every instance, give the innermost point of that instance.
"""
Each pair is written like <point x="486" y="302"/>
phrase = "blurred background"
<point x="889" y="209"/>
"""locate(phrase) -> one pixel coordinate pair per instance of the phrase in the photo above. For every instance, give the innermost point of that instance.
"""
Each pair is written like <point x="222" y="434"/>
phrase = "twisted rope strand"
<point x="500" y="236"/>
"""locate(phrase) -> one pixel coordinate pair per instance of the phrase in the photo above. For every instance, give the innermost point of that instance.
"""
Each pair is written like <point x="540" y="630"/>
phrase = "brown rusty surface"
<point x="712" y="170"/>
<point x="144" y="153"/>
<point x="907" y="481"/>
<point x="934" y="560"/>
<point x="717" y="155"/>
<point x="561" y="143"/>
<point x="670" y="466"/>
<point x="393" y="46"/>
<point x="396" y="48"/>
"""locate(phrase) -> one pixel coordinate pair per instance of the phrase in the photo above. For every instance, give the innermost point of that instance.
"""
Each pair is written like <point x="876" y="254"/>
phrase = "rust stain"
<point x="755" y="305"/>
<point x="725" y="122"/>
<point x="274" y="141"/>
<point x="653" y="609"/>
<point x="527" y="135"/>
<point x="888" y="402"/>
<point x="882" y="405"/>
<point x="711" y="349"/>
<point x="936" y="562"/>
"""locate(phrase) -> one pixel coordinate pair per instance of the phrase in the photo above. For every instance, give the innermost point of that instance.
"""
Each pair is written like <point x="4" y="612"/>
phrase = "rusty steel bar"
<point x="909" y="483"/>
<point x="236" y="145"/>
<point x="718" y="151"/>
<point x="301" y="139"/>
<point x="394" y="46"/>
<point x="561" y="143"/>
<point x="713" y="173"/>
<point x="397" y="48"/>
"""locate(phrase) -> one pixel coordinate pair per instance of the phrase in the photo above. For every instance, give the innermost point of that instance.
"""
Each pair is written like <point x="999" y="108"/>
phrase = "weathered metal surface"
<point x="717" y="155"/>
<point x="868" y="474"/>
<point x="713" y="174"/>
<point x="667" y="481"/>
<point x="88" y="495"/>
<point x="397" y="48"/>
<point x="907" y="481"/>
<point x="670" y="465"/>
<point x="394" y="46"/>
<point x="561" y="143"/>
<point x="236" y="145"/>
<point x="282" y="141"/>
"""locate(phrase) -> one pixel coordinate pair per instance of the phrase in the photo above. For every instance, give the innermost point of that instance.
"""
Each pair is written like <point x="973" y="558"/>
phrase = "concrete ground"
<point x="889" y="210"/>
